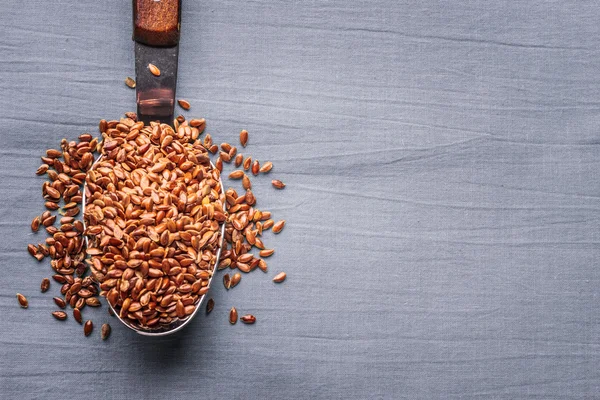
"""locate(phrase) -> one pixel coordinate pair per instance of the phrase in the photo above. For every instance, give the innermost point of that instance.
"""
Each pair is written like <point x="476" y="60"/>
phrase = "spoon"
<point x="156" y="31"/>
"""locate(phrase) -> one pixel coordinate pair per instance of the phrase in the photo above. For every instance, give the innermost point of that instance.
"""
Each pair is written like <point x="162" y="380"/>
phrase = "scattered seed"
<point x="266" y="167"/>
<point x="246" y="184"/>
<point x="210" y="304"/>
<point x="266" y="252"/>
<point x="238" y="160"/>
<point x="22" y="300"/>
<point x="59" y="302"/>
<point x="77" y="315"/>
<point x="184" y="104"/>
<point x="88" y="327"/>
<point x="237" y="174"/>
<point x="154" y="69"/>
<point x="233" y="316"/>
<point x="105" y="331"/>
<point x="248" y="319"/>
<point x="277" y="184"/>
<point x="255" y="167"/>
<point x="280" y="277"/>
<point x="59" y="315"/>
<point x="35" y="223"/>
<point x="42" y="169"/>
<point x="235" y="279"/>
<point x="244" y="137"/>
<point x="247" y="162"/>
<point x="45" y="285"/>
<point x="131" y="82"/>
<point x="278" y="226"/>
<point x="226" y="281"/>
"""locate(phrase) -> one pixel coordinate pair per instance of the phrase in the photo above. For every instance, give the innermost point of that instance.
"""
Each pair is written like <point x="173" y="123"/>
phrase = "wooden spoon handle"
<point x="156" y="22"/>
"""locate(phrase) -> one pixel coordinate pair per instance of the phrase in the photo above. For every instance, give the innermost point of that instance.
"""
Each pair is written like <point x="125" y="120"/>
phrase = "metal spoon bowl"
<point x="177" y="324"/>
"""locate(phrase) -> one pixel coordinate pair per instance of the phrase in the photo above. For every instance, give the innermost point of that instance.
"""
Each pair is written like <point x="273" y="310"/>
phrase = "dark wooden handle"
<point x="156" y="22"/>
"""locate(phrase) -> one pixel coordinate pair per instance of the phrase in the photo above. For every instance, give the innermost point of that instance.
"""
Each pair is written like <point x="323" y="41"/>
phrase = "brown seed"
<point x="233" y="316"/>
<point x="247" y="162"/>
<point x="131" y="115"/>
<point x="49" y="221"/>
<point x="280" y="277"/>
<point x="226" y="281"/>
<point x="59" y="315"/>
<point x="154" y="69"/>
<point x="235" y="279"/>
<point x="266" y="167"/>
<point x="237" y="174"/>
<point x="88" y="327"/>
<point x="32" y="249"/>
<point x="77" y="315"/>
<point x="210" y="304"/>
<point x="35" y="223"/>
<point x="255" y="167"/>
<point x="22" y="300"/>
<point x="93" y="302"/>
<point x="42" y="169"/>
<point x="278" y="226"/>
<point x="277" y="184"/>
<point x="238" y="160"/>
<point x="45" y="285"/>
<point x="130" y="82"/>
<point x="248" y="319"/>
<point x="105" y="331"/>
<point x="50" y="205"/>
<point x="59" y="302"/>
<point x="52" y="153"/>
<point x="184" y="104"/>
<point x="266" y="252"/>
<point x="246" y="182"/>
<point x="197" y="123"/>
<point x="244" y="137"/>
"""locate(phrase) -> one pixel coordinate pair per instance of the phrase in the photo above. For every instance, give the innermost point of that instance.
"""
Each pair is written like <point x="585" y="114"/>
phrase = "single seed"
<point x="278" y="226"/>
<point x="255" y="167"/>
<point x="59" y="302"/>
<point x="77" y="315"/>
<point x="154" y="69"/>
<point x="237" y="174"/>
<point x="280" y="277"/>
<point x="238" y="160"/>
<point x="130" y="82"/>
<point x="59" y="315"/>
<point x="45" y="285"/>
<point x="233" y="316"/>
<point x="52" y="153"/>
<point x="210" y="304"/>
<point x="42" y="169"/>
<point x="88" y="327"/>
<point x="35" y="223"/>
<point x="226" y="281"/>
<point x="247" y="162"/>
<point x="105" y="331"/>
<point x="131" y="115"/>
<point x="277" y="184"/>
<point x="32" y="249"/>
<point x="244" y="137"/>
<point x="266" y="167"/>
<point x="248" y="319"/>
<point x="22" y="300"/>
<point x="246" y="182"/>
<point x="184" y="104"/>
<point x="266" y="252"/>
<point x="235" y="279"/>
<point x="49" y="221"/>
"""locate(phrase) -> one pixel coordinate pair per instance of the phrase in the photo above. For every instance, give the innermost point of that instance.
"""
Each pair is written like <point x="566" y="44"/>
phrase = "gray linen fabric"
<point x="442" y="203"/>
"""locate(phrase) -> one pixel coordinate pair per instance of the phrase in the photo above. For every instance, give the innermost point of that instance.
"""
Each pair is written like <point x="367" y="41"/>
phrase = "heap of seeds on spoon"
<point x="153" y="208"/>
